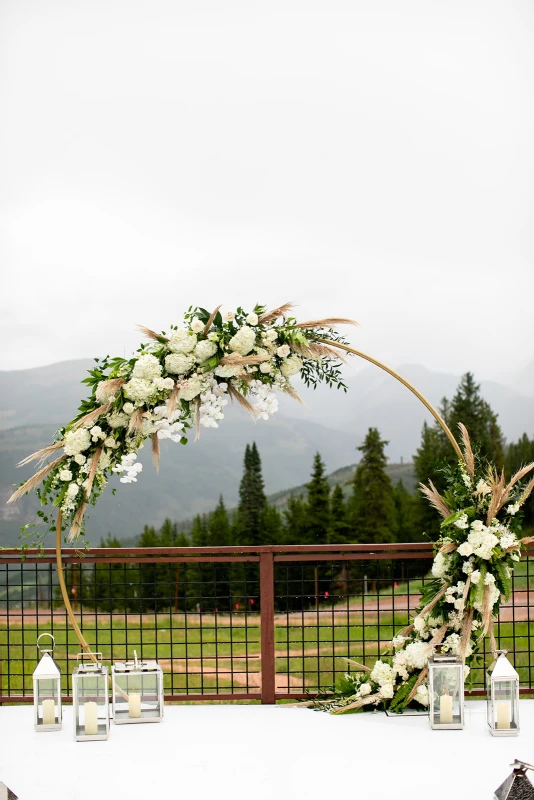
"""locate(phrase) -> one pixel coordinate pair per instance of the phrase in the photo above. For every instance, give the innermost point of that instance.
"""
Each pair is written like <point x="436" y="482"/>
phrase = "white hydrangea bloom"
<point x="508" y="540"/>
<point x="178" y="363"/>
<point x="419" y="624"/>
<point x="291" y="366"/>
<point x="118" y="420"/>
<point x="467" y="567"/>
<point x="182" y="341"/>
<point x="227" y="371"/>
<point x="104" y="461"/>
<point x="147" y="367"/>
<point x="191" y="388"/>
<point x="382" y="673"/>
<point x="138" y="389"/>
<point x="76" y="441"/>
<point x="204" y="350"/>
<point x="164" y="384"/>
<point x="387" y="691"/>
<point x="243" y="341"/>
<point x="416" y="655"/>
<point x="489" y="579"/>
<point x="421" y="694"/>
<point x="398" y="642"/>
<point x="440" y="565"/>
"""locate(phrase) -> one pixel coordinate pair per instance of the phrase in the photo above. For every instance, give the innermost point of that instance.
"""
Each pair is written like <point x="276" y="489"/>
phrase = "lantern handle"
<point x="521" y="766"/>
<point x="42" y="650"/>
<point x="80" y="656"/>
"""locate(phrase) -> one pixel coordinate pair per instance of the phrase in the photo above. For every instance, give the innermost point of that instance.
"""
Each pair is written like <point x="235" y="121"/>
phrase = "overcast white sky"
<point x="369" y="158"/>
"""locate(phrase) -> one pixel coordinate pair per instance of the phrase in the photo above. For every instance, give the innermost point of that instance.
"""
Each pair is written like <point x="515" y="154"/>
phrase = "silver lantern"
<point x="516" y="786"/>
<point x="502" y="684"/>
<point x="446" y="692"/>
<point x="47" y="689"/>
<point x="90" y="697"/>
<point x="137" y="691"/>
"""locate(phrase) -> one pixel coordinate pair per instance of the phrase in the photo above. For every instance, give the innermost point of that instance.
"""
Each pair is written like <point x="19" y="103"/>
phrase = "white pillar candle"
<point x="134" y="705"/>
<point x="90" y="711"/>
<point x="504" y="714"/>
<point x="445" y="709"/>
<point x="49" y="712"/>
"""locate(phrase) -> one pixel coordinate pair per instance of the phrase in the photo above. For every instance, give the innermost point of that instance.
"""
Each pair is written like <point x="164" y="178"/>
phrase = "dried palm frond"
<point x="493" y="643"/>
<point x="36" y="479"/>
<point x="281" y="311"/>
<point x="40" y="455"/>
<point x="362" y="701"/>
<point x="469" y="457"/>
<point x="486" y="611"/>
<point x="497" y="489"/>
<point x="328" y="322"/>
<point x="315" y="350"/>
<point x="435" y="499"/>
<point x="92" y="416"/>
<point x="437" y="638"/>
<point x="92" y="471"/>
<point x="136" y="421"/>
<point x="209" y="323"/>
<point x="417" y="684"/>
<point x="448" y="547"/>
<point x="235" y="395"/>
<point x="157" y="337"/>
<point x="429" y="606"/>
<point x="516" y="478"/>
<point x="295" y="395"/>
<point x="76" y="526"/>
<point x="361" y="667"/>
<point x="465" y="637"/>
<point x="525" y="494"/>
<point x="172" y="402"/>
<point x="155" y="450"/>
<point x="406" y="631"/>
<point x="526" y="540"/>
<point x="235" y="360"/>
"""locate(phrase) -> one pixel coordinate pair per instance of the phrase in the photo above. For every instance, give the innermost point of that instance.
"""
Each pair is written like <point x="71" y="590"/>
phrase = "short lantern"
<point x="446" y="692"/>
<point x="137" y="691"/>
<point x="90" y="695"/>
<point x="502" y="684"/>
<point x="47" y="690"/>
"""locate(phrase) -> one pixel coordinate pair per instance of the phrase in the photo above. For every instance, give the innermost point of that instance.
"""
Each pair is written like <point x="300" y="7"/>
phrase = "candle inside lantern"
<point x="91" y="718"/>
<point x="445" y="709"/>
<point x="49" y="712"/>
<point x="503" y="715"/>
<point x="134" y="705"/>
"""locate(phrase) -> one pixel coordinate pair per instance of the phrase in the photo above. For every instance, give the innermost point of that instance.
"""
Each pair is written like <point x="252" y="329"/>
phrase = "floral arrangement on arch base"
<point x="472" y="570"/>
<point x="180" y="380"/>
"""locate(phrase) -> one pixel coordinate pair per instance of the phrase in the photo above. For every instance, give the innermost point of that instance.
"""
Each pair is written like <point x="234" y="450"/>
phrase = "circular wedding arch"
<point x="181" y="380"/>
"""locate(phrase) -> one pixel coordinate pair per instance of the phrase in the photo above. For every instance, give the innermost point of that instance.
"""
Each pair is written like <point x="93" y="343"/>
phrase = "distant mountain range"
<point x="34" y="403"/>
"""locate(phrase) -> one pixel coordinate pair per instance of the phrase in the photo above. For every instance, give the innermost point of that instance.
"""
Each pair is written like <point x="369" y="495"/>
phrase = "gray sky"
<point x="371" y="158"/>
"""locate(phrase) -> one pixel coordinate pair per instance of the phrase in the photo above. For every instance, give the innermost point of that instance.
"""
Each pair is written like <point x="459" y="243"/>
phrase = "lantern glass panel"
<point x="137" y="693"/>
<point x="91" y="703"/>
<point x="47" y="695"/>
<point x="447" y="694"/>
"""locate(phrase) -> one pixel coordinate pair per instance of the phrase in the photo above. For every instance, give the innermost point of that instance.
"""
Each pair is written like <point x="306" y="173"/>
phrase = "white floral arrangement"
<point x="471" y="573"/>
<point x="178" y="381"/>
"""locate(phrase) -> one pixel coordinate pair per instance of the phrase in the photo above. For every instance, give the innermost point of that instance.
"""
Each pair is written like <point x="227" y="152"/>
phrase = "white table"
<point x="252" y="752"/>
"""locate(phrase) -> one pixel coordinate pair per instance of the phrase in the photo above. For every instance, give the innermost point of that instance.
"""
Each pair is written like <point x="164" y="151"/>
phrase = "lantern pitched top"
<point x="46" y="668"/>
<point x="502" y="668"/>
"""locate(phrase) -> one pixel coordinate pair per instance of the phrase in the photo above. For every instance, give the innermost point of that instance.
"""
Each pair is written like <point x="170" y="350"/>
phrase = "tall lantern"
<point x="137" y="691"/>
<point x="502" y="684"/>
<point x="446" y="692"/>
<point x="47" y="690"/>
<point x="90" y="697"/>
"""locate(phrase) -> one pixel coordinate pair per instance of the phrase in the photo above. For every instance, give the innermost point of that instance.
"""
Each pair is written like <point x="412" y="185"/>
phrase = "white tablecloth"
<point x="260" y="752"/>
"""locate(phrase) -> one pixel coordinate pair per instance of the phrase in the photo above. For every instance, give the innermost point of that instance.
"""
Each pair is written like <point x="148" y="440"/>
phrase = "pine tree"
<point x="295" y="521"/>
<point x="318" y="504"/>
<point x="252" y="500"/>
<point x="519" y="454"/>
<point x="406" y="511"/>
<point x="468" y="406"/>
<point x="340" y="528"/>
<point x="219" y="535"/>
<point x="373" y="504"/>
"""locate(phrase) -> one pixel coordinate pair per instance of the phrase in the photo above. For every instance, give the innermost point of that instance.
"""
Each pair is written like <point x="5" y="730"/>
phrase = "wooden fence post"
<point x="268" y="685"/>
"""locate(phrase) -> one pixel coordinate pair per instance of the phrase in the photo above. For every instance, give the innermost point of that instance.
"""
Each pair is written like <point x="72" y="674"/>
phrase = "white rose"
<point x="80" y="459"/>
<point x="387" y="691"/>
<point x="147" y="368"/>
<point x="73" y="489"/>
<point x="465" y="549"/>
<point x="477" y="525"/>
<point x="197" y="326"/>
<point x="182" y="341"/>
<point x="291" y="366"/>
<point x="128" y="408"/>
<point x="65" y="475"/>
<point x="252" y="319"/>
<point x="271" y="335"/>
<point x="229" y="316"/>
<point x="109" y="441"/>
<point x="192" y="388"/>
<point x="365" y="689"/>
<point x="283" y="351"/>
<point x="205" y="350"/>
<point x="266" y="367"/>
<point x="419" y="624"/>
<point x="77" y="441"/>
<point x="475" y="576"/>
<point x="178" y="364"/>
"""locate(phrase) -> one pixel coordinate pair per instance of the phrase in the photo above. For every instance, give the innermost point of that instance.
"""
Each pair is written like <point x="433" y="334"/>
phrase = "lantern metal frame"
<point x="128" y="677"/>
<point x="47" y="670"/>
<point x="89" y="670"/>
<point x="506" y="674"/>
<point x="440" y="661"/>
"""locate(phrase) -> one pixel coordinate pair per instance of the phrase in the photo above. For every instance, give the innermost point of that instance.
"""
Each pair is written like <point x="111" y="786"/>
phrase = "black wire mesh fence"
<point x="232" y="623"/>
